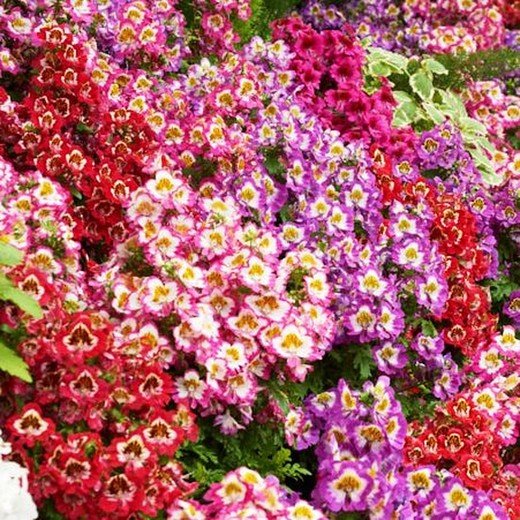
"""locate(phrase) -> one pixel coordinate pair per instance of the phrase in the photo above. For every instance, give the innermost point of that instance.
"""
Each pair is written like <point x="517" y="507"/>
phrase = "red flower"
<point x="30" y="426"/>
<point x="162" y="434"/>
<point x="475" y="472"/>
<point x="121" y="495"/>
<point x="80" y="340"/>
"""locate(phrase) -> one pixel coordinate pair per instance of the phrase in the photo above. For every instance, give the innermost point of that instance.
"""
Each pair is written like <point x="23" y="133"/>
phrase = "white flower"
<point x="5" y="447"/>
<point x="204" y="323"/>
<point x="15" y="501"/>
<point x="257" y="272"/>
<point x="411" y="255"/>
<point x="317" y="286"/>
<point x="293" y="342"/>
<point x="371" y="283"/>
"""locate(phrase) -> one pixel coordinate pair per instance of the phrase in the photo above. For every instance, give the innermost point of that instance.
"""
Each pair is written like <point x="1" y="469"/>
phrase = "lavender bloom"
<point x="512" y="308"/>
<point x="449" y="382"/>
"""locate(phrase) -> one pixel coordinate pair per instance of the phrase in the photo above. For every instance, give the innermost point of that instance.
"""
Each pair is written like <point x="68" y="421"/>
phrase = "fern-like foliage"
<point x="478" y="66"/>
<point x="260" y="447"/>
<point x="263" y="12"/>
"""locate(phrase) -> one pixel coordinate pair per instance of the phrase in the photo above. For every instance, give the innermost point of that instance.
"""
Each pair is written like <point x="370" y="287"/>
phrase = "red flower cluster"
<point x="459" y="439"/>
<point x="66" y="129"/>
<point x="125" y="463"/>
<point x="468" y="441"/>
<point x="469" y="322"/>
<point x="511" y="13"/>
<point x="99" y="434"/>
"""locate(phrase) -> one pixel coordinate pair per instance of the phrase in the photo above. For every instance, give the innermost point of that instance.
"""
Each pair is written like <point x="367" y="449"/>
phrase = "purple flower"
<point x="432" y="292"/>
<point x="421" y="482"/>
<point x="348" y="487"/>
<point x="456" y="499"/>
<point x="430" y="148"/>
<point x="512" y="308"/>
<point x="427" y="347"/>
<point x="489" y="510"/>
<point x="390" y="358"/>
<point x="449" y="381"/>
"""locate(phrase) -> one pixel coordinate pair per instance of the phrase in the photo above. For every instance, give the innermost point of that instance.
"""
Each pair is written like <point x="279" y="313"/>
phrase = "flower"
<point x="16" y="502"/>
<point x="348" y="490"/>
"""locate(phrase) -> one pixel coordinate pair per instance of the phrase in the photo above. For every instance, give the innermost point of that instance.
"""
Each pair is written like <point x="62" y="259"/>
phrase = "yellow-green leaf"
<point x="9" y="255"/>
<point x="13" y="364"/>
<point x="422" y="84"/>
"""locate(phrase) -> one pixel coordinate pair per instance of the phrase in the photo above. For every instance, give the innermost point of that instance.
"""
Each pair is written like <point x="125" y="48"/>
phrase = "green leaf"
<point x="391" y="59"/>
<point x="279" y="396"/>
<point x="13" y="364"/>
<point x="404" y="114"/>
<point x="435" y="114"/>
<point x="454" y="104"/>
<point x="422" y="84"/>
<point x="379" y="68"/>
<point x="364" y="362"/>
<point x="85" y="129"/>
<point x="468" y="124"/>
<point x="9" y="255"/>
<point x="24" y="301"/>
<point x="434" y="66"/>
<point x="402" y="97"/>
<point x="486" y="144"/>
<point x="76" y="193"/>
<point x="486" y="167"/>
<point x="428" y="329"/>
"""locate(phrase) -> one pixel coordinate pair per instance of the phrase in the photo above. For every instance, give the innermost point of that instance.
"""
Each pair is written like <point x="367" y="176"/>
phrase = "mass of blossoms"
<point x="432" y="26"/>
<point x="220" y="234"/>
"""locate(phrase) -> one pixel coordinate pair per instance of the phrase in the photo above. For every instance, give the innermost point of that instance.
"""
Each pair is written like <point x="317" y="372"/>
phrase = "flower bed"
<point x="269" y="278"/>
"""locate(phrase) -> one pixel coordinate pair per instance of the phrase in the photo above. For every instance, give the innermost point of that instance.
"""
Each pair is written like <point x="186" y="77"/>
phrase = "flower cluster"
<point x="69" y="129"/>
<point x="470" y="434"/>
<point x="427" y="25"/>
<point x="100" y="429"/>
<point x="329" y="65"/>
<point x="243" y="493"/>
<point x="359" y="438"/>
<point x="202" y="223"/>
<point x="226" y="295"/>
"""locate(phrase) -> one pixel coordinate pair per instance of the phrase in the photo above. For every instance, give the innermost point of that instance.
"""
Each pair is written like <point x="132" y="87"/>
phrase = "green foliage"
<point x="201" y="170"/>
<point x="424" y="103"/>
<point x="262" y="446"/>
<point x="10" y="361"/>
<point x="189" y="11"/>
<point x="478" y="66"/>
<point x="137" y="264"/>
<point x="295" y="284"/>
<point x="272" y="163"/>
<point x="500" y="289"/>
<point x="9" y="255"/>
<point x="507" y="281"/>
<point x="428" y="328"/>
<point x="513" y="136"/>
<point x="48" y="511"/>
<point x="263" y="12"/>
<point x="355" y="515"/>
<point x="422" y="84"/>
<point x="13" y="364"/>
<point x="417" y="407"/>
<point x="363" y="362"/>
<point x="259" y="447"/>
<point x="11" y="293"/>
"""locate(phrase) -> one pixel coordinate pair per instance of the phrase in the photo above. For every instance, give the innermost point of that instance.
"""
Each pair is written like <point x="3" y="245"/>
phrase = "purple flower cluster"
<point x="359" y="438"/>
